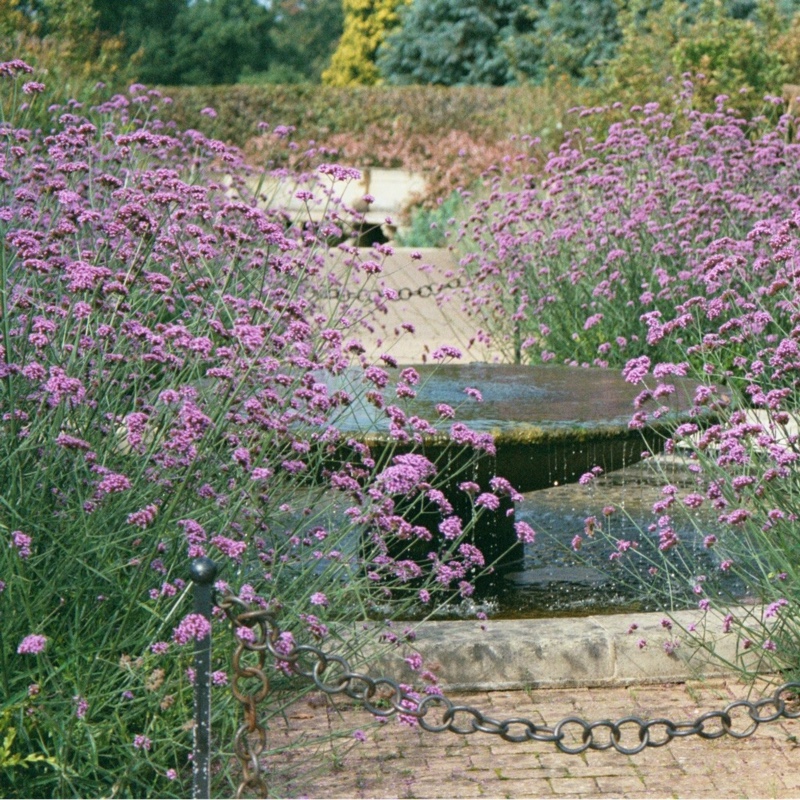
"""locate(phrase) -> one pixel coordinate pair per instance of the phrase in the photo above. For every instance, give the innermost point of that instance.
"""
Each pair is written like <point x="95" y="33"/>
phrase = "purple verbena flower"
<point x="23" y="543"/>
<point x="33" y="644"/>
<point x="192" y="626"/>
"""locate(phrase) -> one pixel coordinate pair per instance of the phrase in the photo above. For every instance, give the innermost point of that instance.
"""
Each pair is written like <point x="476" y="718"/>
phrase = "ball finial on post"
<point x="203" y="570"/>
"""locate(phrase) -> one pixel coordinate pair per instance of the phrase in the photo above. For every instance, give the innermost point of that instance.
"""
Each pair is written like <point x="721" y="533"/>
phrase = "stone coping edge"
<point x="592" y="651"/>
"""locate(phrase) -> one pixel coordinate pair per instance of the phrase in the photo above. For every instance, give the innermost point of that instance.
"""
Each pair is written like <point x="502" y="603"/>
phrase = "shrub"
<point x="175" y="380"/>
<point x="735" y="57"/>
<point x="487" y="114"/>
<point x="429" y="227"/>
<point x="387" y="126"/>
<point x="573" y="38"/>
<point x="728" y="50"/>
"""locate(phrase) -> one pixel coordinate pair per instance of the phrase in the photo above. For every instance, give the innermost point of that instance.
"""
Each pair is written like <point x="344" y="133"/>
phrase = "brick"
<point x="619" y="785"/>
<point x="437" y="789"/>
<point x="398" y="761"/>
<point x="596" y="770"/>
<point x="575" y="787"/>
<point x="532" y="787"/>
<point x="513" y="775"/>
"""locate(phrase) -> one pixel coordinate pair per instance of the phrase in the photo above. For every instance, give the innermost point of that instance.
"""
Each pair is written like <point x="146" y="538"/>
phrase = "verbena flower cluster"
<point x="602" y="248"/>
<point x="167" y="343"/>
<point x="669" y="248"/>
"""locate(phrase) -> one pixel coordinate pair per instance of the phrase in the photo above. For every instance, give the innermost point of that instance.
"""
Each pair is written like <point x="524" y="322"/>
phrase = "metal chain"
<point x="428" y="290"/>
<point x="436" y="713"/>
<point x="251" y="737"/>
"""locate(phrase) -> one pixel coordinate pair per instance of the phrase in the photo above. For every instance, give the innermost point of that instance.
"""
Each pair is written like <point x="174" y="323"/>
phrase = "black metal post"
<point x="202" y="571"/>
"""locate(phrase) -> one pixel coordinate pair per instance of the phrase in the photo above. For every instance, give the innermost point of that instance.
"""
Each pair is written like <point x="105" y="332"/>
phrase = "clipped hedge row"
<point x="486" y="113"/>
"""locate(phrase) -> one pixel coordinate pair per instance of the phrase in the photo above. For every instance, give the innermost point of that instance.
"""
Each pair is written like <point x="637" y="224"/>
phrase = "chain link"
<point x="406" y="293"/>
<point x="436" y="713"/>
<point x="250" y="686"/>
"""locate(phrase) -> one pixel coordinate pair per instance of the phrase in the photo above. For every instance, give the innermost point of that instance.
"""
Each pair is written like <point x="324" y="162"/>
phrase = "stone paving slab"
<point x="437" y="313"/>
<point x="392" y="191"/>
<point x="598" y="650"/>
<point x="398" y="761"/>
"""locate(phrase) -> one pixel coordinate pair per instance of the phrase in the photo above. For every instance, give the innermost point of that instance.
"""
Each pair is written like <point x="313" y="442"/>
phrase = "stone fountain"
<point x="550" y="425"/>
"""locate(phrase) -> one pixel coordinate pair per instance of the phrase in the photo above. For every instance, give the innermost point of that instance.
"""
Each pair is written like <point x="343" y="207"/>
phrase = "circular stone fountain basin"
<point x="549" y="424"/>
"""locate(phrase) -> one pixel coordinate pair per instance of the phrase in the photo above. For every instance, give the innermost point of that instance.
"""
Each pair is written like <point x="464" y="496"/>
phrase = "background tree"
<point x="366" y="25"/>
<point x="145" y="27"/>
<point x="788" y="46"/>
<point x="644" y="56"/>
<point x="13" y="21"/>
<point x="62" y="38"/>
<point x="174" y="41"/>
<point x="750" y="52"/>
<point x="454" y="42"/>
<point x="304" y="36"/>
<point x="735" y="56"/>
<point x="567" y="38"/>
<point x="212" y="42"/>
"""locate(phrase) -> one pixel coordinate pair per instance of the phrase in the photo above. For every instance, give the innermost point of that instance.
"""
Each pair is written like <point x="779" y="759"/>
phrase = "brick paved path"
<point x="397" y="761"/>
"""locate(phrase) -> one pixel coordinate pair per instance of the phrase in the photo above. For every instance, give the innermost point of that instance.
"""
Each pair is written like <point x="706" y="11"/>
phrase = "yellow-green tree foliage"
<point x="644" y="57"/>
<point x="734" y="57"/>
<point x="788" y="46"/>
<point x="366" y="25"/>
<point x="13" y="22"/>
<point x="744" y="59"/>
<point x="61" y="38"/>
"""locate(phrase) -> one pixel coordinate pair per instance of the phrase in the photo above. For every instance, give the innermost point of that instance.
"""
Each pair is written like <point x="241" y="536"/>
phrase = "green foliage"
<point x="788" y="46"/>
<point x="643" y="60"/>
<point x="62" y="38"/>
<point x="103" y="500"/>
<point x="735" y="56"/>
<point x="170" y="41"/>
<point x="732" y="49"/>
<point x="210" y="42"/>
<point x="366" y="25"/>
<point x="12" y="757"/>
<point x="568" y="38"/>
<point x="13" y="20"/>
<point x="176" y="41"/>
<point x="629" y="48"/>
<point x="135" y="18"/>
<point x="277" y="74"/>
<point x="453" y="43"/>
<point x="305" y="35"/>
<point x="145" y="27"/>
<point x="429" y="227"/>
<point x="486" y="113"/>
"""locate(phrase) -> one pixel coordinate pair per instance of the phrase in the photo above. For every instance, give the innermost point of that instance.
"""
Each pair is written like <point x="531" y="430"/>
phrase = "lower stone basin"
<point x="550" y="425"/>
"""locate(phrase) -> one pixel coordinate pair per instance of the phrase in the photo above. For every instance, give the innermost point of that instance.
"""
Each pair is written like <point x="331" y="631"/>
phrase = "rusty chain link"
<point x="428" y="290"/>
<point x="385" y="697"/>
<point x="251" y="737"/>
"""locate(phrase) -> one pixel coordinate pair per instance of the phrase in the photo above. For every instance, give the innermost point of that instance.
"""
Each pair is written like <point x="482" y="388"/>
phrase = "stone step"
<point x="600" y="650"/>
<point x="393" y="190"/>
